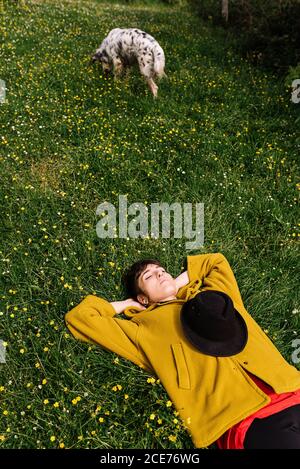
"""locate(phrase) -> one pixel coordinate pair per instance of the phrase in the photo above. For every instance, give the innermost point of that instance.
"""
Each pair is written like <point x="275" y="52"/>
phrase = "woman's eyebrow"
<point x="144" y="273"/>
<point x="149" y="270"/>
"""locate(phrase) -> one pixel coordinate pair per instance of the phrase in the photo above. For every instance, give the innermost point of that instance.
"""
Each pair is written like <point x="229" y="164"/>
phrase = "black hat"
<point x="212" y="325"/>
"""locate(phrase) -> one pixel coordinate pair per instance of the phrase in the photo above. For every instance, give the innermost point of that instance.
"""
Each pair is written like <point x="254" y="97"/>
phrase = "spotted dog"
<point x="124" y="47"/>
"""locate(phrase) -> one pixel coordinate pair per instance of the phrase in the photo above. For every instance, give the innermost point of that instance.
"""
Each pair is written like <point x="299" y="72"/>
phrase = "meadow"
<point x="222" y="132"/>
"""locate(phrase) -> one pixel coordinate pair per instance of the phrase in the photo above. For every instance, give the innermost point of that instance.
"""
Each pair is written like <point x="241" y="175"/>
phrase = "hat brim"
<point x="219" y="348"/>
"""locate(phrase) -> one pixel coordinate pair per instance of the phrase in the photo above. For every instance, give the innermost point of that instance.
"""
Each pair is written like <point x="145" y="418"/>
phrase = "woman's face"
<point x="156" y="284"/>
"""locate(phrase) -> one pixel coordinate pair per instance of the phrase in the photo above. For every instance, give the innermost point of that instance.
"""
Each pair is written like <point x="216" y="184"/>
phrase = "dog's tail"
<point x="159" y="61"/>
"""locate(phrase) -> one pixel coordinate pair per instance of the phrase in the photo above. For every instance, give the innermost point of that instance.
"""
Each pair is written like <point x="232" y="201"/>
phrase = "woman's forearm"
<point x="119" y="306"/>
<point x="182" y="280"/>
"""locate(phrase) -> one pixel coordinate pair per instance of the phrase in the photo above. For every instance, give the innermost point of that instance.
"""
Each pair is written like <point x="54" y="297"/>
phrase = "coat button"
<point x="245" y="363"/>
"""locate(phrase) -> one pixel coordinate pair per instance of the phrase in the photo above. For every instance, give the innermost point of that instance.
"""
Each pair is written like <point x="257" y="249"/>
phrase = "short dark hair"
<point x="131" y="276"/>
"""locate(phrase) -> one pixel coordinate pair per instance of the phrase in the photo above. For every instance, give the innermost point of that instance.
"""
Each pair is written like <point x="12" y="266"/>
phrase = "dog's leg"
<point x="153" y="87"/>
<point x="118" y="68"/>
<point x="127" y="72"/>
<point x="147" y="72"/>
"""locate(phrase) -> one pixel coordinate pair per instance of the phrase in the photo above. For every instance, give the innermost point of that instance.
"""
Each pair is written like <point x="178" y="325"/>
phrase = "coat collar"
<point x="185" y="293"/>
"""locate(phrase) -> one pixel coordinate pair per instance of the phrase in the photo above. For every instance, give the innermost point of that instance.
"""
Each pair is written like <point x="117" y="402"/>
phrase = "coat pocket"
<point x="181" y="366"/>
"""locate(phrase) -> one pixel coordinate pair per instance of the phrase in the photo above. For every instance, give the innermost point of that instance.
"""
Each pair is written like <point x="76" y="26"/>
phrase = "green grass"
<point x="222" y="132"/>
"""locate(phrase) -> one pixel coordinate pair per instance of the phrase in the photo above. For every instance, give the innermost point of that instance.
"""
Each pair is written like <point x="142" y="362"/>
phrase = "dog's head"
<point x="102" y="56"/>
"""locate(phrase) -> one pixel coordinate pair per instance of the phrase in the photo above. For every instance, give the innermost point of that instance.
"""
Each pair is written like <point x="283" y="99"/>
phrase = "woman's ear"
<point x="142" y="299"/>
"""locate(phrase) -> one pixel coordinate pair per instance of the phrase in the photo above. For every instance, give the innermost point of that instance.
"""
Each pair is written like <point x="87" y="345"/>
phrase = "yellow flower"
<point x="75" y="400"/>
<point x="101" y="419"/>
<point x="152" y="416"/>
<point x="118" y="387"/>
<point x="61" y="445"/>
<point x="168" y="403"/>
<point x="46" y="401"/>
<point x="172" y="437"/>
<point x="126" y="396"/>
<point x="44" y="381"/>
<point x="5" y="412"/>
<point x="151" y="380"/>
<point x="56" y="404"/>
<point x="52" y="438"/>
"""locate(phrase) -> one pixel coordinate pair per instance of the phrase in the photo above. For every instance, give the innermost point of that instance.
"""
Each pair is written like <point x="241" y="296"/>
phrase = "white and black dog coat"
<point x="124" y="47"/>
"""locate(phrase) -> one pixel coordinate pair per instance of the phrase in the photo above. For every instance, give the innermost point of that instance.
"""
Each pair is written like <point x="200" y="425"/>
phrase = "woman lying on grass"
<point x="226" y="379"/>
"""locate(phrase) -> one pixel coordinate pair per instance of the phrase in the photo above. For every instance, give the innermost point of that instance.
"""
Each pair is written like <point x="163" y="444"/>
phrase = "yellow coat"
<point x="211" y="394"/>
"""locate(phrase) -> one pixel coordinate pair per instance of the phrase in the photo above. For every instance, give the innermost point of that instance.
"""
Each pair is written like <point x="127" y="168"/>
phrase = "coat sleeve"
<point x="215" y="273"/>
<point x="93" y="320"/>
